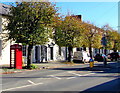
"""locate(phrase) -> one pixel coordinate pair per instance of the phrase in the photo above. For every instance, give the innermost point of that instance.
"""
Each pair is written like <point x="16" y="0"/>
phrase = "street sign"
<point x="104" y="41"/>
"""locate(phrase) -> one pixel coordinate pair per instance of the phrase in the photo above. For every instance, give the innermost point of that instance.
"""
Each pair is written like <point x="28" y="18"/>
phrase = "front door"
<point x="43" y="53"/>
<point x="36" y="53"/>
<point x="51" y="53"/>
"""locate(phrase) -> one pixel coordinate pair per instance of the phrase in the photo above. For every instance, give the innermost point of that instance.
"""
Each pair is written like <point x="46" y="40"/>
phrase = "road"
<point x="77" y="78"/>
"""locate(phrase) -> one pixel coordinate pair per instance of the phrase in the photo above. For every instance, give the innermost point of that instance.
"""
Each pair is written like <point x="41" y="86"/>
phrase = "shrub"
<point x="32" y="66"/>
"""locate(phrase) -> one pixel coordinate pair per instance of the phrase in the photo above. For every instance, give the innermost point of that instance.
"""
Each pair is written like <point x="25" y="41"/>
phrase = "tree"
<point x="30" y="23"/>
<point x="116" y="40"/>
<point x="91" y="37"/>
<point x="113" y="38"/>
<point x="67" y="31"/>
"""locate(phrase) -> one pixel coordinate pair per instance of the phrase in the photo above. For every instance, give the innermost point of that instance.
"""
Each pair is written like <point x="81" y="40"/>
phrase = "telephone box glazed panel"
<point x="16" y="56"/>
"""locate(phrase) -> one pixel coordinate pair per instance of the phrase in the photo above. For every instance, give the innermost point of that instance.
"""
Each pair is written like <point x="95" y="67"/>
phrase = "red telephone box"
<point x="16" y="56"/>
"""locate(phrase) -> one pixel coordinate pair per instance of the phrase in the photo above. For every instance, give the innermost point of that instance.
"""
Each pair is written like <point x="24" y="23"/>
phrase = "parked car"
<point x="100" y="57"/>
<point x="81" y="56"/>
<point x="114" y="56"/>
<point x="108" y="55"/>
<point x="119" y="54"/>
<point x="77" y="56"/>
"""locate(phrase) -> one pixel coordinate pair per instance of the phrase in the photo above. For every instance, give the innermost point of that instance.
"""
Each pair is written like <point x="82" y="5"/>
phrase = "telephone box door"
<point x="16" y="56"/>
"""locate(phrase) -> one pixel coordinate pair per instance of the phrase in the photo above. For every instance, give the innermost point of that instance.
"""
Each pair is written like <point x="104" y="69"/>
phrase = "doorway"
<point x="51" y="53"/>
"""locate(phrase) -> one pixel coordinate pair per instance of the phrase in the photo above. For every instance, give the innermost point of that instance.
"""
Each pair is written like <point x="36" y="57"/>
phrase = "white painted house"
<point x="48" y="52"/>
<point x="4" y="44"/>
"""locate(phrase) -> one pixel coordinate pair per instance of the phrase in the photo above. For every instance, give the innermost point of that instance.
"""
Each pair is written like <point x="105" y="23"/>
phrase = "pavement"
<point x="4" y="69"/>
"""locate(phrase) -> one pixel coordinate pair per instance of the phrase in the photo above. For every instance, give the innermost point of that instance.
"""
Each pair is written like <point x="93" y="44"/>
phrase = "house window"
<point x="0" y="47"/>
<point x="84" y="48"/>
<point x="95" y="50"/>
<point x="24" y="50"/>
<point x="0" y="23"/>
<point x="59" y="50"/>
<point x="78" y="49"/>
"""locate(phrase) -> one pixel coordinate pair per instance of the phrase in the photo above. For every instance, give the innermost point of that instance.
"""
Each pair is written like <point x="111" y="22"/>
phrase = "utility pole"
<point x="104" y="43"/>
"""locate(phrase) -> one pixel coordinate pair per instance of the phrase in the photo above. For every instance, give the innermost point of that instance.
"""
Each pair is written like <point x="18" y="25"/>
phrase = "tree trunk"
<point x="114" y="49"/>
<point x="29" y="56"/>
<point x="66" y="54"/>
<point x="99" y="51"/>
<point x="70" y="54"/>
<point x="105" y="51"/>
<point x="90" y="52"/>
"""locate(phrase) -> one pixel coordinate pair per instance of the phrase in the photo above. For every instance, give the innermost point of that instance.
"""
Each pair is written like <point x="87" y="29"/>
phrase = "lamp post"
<point x="104" y="43"/>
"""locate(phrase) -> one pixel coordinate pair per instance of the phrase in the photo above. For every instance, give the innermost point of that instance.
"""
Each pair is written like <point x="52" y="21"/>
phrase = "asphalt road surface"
<point x="73" y="79"/>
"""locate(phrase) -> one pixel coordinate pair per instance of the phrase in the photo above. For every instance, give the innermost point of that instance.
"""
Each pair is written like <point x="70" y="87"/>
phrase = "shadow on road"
<point x="99" y="68"/>
<point x="112" y="86"/>
<point x="107" y="87"/>
<point x="96" y="68"/>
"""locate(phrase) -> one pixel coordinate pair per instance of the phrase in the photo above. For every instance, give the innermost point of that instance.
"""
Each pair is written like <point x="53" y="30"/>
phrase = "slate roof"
<point x="4" y="9"/>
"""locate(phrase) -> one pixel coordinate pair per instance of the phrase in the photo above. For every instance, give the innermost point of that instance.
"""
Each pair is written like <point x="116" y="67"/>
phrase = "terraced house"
<point x="40" y="53"/>
<point x="48" y="52"/>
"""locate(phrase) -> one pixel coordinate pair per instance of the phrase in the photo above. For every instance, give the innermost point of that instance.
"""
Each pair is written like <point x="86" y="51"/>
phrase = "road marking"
<point x="22" y="87"/>
<point x="78" y="75"/>
<point x="99" y="71"/>
<point x="71" y="77"/>
<point x="55" y="77"/>
<point x="88" y="74"/>
<point x="75" y="74"/>
<point x="31" y="82"/>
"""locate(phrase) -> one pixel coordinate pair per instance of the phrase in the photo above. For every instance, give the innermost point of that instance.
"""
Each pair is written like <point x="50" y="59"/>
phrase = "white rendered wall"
<point x="5" y="57"/>
<point x="5" y="53"/>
